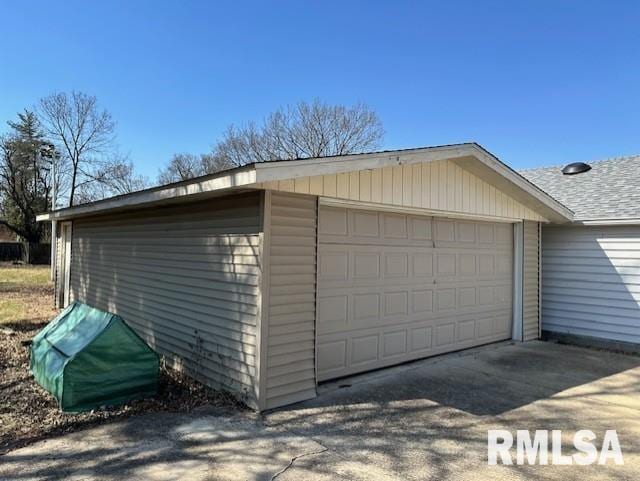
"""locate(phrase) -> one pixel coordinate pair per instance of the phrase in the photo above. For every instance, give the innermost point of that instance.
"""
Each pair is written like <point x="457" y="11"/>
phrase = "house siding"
<point x="186" y="278"/>
<point x="531" y="282"/>
<point x="291" y="305"/>
<point x="439" y="186"/>
<point x="591" y="281"/>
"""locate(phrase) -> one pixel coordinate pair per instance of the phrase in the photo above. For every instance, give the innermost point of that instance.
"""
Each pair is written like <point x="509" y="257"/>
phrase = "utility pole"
<point x="53" y="222"/>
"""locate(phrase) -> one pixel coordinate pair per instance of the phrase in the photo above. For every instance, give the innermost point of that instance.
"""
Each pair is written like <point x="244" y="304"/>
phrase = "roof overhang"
<point x="189" y="190"/>
<point x="469" y="156"/>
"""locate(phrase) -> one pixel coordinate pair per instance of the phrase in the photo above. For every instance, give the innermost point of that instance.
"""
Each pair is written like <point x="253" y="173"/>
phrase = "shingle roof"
<point x="610" y="190"/>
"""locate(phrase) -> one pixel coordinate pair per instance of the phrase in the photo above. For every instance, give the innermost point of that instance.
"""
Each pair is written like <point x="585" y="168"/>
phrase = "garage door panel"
<point x="332" y="355"/>
<point x="422" y="301"/>
<point x="466" y="232"/>
<point x="355" y="226"/>
<point x="420" y="228"/>
<point x="445" y="334"/>
<point x="344" y="354"/>
<point x="394" y="287"/>
<point x="364" y="349"/>
<point x="422" y="264"/>
<point x="394" y="343"/>
<point x="333" y="222"/>
<point x="420" y="339"/>
<point x="354" y="264"/>
<point x="333" y="313"/>
<point x="364" y="224"/>
<point x="504" y="234"/>
<point x="445" y="231"/>
<point x="340" y="313"/>
<point x="381" y="305"/>
<point x="333" y="265"/>
<point x="364" y="265"/>
<point x="484" y="327"/>
<point x="486" y="234"/>
<point x="366" y="309"/>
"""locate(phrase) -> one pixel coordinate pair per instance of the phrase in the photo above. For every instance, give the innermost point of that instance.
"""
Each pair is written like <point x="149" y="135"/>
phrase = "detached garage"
<point x="267" y="279"/>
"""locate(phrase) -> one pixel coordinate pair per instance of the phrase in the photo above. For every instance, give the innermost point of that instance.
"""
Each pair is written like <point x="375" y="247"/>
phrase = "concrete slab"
<point x="422" y="421"/>
<point x="429" y="420"/>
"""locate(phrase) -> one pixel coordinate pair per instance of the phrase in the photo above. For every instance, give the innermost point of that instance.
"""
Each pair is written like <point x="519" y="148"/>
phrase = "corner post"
<point x="263" y="308"/>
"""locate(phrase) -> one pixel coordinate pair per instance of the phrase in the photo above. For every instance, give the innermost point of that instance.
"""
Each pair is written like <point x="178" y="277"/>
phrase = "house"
<point x="7" y="235"/>
<point x="591" y="267"/>
<point x="269" y="278"/>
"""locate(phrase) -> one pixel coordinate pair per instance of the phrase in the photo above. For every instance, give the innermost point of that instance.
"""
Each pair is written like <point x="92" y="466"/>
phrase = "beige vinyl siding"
<point x="186" y="278"/>
<point x="291" y="306"/>
<point x="591" y="281"/>
<point x="531" y="279"/>
<point x="439" y="186"/>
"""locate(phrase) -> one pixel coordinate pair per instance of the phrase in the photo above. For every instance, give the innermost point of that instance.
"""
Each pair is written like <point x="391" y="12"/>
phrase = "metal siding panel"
<point x="186" y="278"/>
<point x="591" y="281"/>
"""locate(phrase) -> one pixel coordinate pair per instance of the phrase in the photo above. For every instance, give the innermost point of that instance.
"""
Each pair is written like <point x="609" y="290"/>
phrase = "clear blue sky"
<point x="537" y="82"/>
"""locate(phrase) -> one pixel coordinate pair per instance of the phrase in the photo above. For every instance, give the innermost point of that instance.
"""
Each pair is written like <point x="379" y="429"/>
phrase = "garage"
<point x="395" y="287"/>
<point x="270" y="278"/>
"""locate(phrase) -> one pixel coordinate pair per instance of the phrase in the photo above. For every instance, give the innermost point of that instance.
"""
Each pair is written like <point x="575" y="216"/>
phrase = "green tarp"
<point x="88" y="358"/>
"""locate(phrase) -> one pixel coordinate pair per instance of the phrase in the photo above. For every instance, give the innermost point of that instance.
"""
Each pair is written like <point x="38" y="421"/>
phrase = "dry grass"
<point x="26" y="294"/>
<point x="27" y="412"/>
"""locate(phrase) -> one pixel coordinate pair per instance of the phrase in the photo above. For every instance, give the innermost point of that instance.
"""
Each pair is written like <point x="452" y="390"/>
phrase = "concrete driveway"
<point x="425" y="421"/>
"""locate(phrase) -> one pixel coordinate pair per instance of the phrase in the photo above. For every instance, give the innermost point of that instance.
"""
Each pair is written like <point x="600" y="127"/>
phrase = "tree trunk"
<point x="73" y="184"/>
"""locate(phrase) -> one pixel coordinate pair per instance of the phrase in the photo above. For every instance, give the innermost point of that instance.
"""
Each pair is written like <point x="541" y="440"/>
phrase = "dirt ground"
<point x="27" y="412"/>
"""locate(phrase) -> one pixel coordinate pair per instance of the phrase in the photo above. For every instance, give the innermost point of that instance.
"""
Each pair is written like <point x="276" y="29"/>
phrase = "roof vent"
<point x="576" y="168"/>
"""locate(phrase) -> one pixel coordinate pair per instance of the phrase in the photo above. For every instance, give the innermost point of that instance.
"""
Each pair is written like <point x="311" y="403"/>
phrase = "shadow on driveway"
<point x="490" y="380"/>
<point x="422" y="421"/>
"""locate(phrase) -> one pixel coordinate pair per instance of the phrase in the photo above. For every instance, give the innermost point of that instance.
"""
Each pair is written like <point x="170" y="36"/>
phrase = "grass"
<point x="11" y="311"/>
<point x="26" y="294"/>
<point x="22" y="275"/>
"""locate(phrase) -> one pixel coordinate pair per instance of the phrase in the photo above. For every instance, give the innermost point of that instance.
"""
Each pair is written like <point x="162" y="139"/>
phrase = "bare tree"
<point x="113" y="177"/>
<point x="305" y="130"/>
<point x="124" y="179"/>
<point x="85" y="136"/>
<point x="187" y="166"/>
<point x="181" y="167"/>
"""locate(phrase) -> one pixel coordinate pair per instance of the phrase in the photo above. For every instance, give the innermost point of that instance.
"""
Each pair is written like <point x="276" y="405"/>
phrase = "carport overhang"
<point x="469" y="156"/>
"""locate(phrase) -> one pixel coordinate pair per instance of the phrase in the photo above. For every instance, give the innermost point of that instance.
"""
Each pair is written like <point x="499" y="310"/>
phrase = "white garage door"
<point x="395" y="287"/>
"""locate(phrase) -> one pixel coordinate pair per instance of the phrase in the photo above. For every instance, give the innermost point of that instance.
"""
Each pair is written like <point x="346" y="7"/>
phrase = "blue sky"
<point x="535" y="82"/>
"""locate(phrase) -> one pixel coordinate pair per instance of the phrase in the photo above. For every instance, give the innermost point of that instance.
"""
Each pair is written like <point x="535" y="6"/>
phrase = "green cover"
<point x="88" y="358"/>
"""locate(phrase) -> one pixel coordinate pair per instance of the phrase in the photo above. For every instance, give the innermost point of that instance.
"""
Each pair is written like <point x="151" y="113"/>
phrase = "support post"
<point x="518" y="261"/>
<point x="53" y="222"/>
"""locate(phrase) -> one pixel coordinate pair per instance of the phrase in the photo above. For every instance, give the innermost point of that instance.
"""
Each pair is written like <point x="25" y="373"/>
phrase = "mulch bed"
<point x="28" y="413"/>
